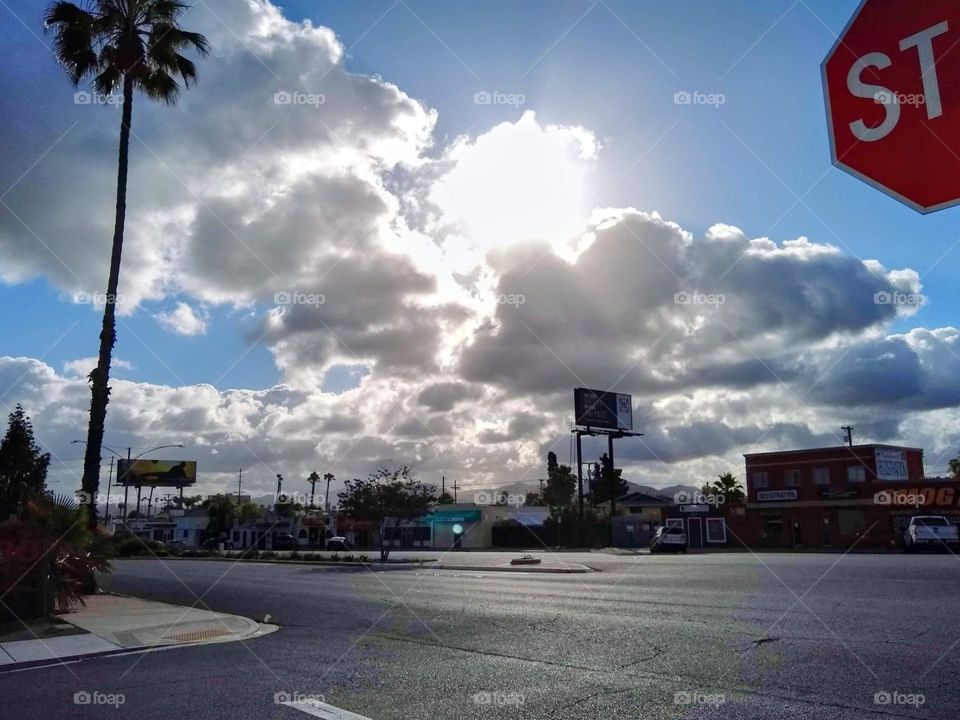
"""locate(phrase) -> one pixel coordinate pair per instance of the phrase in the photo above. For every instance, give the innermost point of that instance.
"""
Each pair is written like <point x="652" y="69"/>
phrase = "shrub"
<point x="364" y="558"/>
<point x="334" y="558"/>
<point x="348" y="557"/>
<point x="267" y="555"/>
<point x="134" y="547"/>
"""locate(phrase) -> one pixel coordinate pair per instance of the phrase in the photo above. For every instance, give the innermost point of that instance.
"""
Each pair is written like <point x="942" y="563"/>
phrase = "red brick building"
<point x="838" y="496"/>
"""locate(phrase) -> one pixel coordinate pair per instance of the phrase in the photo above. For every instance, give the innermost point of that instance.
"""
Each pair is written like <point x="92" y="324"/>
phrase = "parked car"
<point x="284" y="541"/>
<point x="214" y="543"/>
<point x="337" y="543"/>
<point x="930" y="531"/>
<point x="667" y="538"/>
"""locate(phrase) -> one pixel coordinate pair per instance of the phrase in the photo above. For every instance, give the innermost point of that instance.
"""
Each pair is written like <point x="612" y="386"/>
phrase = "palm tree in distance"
<point x="135" y="44"/>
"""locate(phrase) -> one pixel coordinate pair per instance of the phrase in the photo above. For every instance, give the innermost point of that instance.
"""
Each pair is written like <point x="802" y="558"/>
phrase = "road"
<point x="812" y="636"/>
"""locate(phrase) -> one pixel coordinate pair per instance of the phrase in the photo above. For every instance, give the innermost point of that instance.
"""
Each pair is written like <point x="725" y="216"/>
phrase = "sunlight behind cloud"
<point x="519" y="181"/>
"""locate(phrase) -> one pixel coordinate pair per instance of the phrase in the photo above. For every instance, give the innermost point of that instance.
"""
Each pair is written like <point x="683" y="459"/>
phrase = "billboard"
<point x="158" y="473"/>
<point x="891" y="464"/>
<point x="598" y="409"/>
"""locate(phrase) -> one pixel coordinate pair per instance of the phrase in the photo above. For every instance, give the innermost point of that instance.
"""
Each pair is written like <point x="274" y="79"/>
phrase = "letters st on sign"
<point x="892" y="86"/>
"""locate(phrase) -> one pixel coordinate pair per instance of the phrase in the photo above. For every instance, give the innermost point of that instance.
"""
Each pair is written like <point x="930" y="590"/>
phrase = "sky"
<point x="402" y="233"/>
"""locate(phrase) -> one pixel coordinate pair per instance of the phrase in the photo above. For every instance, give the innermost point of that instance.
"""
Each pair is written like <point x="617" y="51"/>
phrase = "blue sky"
<point x="760" y="161"/>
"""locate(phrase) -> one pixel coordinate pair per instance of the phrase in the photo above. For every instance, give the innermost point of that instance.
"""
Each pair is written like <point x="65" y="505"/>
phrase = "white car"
<point x="668" y="537"/>
<point x="930" y="531"/>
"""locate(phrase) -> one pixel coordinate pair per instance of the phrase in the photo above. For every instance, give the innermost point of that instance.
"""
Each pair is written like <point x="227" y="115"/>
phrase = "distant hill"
<point x="521" y="488"/>
<point x="667" y="492"/>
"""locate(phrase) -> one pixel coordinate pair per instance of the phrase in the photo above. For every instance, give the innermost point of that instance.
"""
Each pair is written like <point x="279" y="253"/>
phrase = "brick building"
<point x="838" y="496"/>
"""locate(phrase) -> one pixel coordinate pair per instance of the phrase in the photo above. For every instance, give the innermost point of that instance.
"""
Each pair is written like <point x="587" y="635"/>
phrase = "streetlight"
<point x="129" y="460"/>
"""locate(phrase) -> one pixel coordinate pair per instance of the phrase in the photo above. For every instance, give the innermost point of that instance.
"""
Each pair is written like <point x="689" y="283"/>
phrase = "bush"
<point x="267" y="555"/>
<point x="348" y="557"/>
<point x="134" y="547"/>
<point x="334" y="558"/>
<point x="364" y="558"/>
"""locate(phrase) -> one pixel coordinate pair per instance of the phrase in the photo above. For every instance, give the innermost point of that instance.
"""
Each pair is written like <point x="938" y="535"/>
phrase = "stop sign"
<point x="892" y="84"/>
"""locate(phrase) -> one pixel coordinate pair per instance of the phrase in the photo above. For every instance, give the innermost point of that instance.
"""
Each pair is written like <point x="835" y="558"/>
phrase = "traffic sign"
<point x="892" y="86"/>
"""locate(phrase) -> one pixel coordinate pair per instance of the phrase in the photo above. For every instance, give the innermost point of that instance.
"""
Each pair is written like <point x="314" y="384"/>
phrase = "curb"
<point x="517" y="569"/>
<point x="261" y="629"/>
<point x="281" y="561"/>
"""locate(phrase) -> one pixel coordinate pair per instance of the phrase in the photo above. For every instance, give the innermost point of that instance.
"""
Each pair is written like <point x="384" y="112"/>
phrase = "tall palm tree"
<point x="135" y="44"/>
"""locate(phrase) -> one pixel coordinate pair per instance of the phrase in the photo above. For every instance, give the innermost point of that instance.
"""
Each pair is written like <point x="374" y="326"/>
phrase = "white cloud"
<point x="81" y="367"/>
<point x="183" y="320"/>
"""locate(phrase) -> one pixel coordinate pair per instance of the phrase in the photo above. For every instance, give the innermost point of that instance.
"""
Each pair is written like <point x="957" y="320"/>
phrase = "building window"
<point x="791" y="478"/>
<point x="760" y="480"/>
<point x="821" y="476"/>
<point x="716" y="530"/>
<point x="856" y="473"/>
<point x="675" y="522"/>
<point x="186" y="533"/>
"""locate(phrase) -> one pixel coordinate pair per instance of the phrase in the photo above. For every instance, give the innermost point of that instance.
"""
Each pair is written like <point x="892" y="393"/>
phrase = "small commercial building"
<point x="707" y="524"/>
<point x="838" y="497"/>
<point x="455" y="526"/>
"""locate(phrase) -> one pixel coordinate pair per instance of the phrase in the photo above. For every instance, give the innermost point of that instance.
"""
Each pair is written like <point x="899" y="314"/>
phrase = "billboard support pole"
<point x="580" y="488"/>
<point x="126" y="499"/>
<point x="613" y="494"/>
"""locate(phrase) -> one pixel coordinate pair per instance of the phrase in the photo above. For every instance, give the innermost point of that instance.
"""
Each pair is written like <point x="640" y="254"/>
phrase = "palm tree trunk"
<point x="100" y="377"/>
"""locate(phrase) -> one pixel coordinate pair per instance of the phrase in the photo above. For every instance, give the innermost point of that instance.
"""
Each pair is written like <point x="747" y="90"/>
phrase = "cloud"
<point x="648" y="309"/>
<point x="81" y="367"/>
<point x="183" y="320"/>
<point x="444" y="396"/>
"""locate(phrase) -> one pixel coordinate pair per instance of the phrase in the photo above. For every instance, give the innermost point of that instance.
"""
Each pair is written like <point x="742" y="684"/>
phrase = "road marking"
<point x="322" y="710"/>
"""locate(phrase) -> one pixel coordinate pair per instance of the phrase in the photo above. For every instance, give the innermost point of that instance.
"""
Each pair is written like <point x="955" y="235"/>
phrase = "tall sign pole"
<point x="580" y="486"/>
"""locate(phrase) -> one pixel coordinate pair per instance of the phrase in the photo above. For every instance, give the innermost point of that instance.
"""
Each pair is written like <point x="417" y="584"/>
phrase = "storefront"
<point x="841" y="497"/>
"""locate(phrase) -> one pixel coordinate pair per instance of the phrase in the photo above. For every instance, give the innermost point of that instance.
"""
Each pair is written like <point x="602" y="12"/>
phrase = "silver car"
<point x="667" y="538"/>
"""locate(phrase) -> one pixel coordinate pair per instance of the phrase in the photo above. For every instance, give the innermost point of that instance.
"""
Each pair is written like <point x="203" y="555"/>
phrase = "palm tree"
<point x="135" y="44"/>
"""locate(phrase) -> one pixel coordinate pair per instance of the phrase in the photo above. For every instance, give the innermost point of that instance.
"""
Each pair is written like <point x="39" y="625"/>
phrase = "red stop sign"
<point x="892" y="86"/>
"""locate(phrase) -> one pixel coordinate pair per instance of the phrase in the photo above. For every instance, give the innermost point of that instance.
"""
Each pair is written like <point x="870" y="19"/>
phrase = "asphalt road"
<point x="697" y="636"/>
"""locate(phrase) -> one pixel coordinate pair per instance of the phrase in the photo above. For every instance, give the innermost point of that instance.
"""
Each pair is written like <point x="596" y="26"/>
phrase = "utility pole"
<point x="279" y="488"/>
<point x="326" y="498"/>
<point x="106" y="514"/>
<point x="455" y="488"/>
<point x="239" y="484"/>
<point x="848" y="429"/>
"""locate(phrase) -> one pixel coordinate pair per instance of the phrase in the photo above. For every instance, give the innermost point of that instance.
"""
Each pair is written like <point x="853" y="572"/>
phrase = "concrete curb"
<point x="259" y="629"/>
<point x="281" y="561"/>
<point x="518" y="569"/>
<point x="426" y="564"/>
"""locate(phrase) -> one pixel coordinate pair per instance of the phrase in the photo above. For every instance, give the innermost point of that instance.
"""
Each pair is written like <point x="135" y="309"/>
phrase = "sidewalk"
<point x="111" y="624"/>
